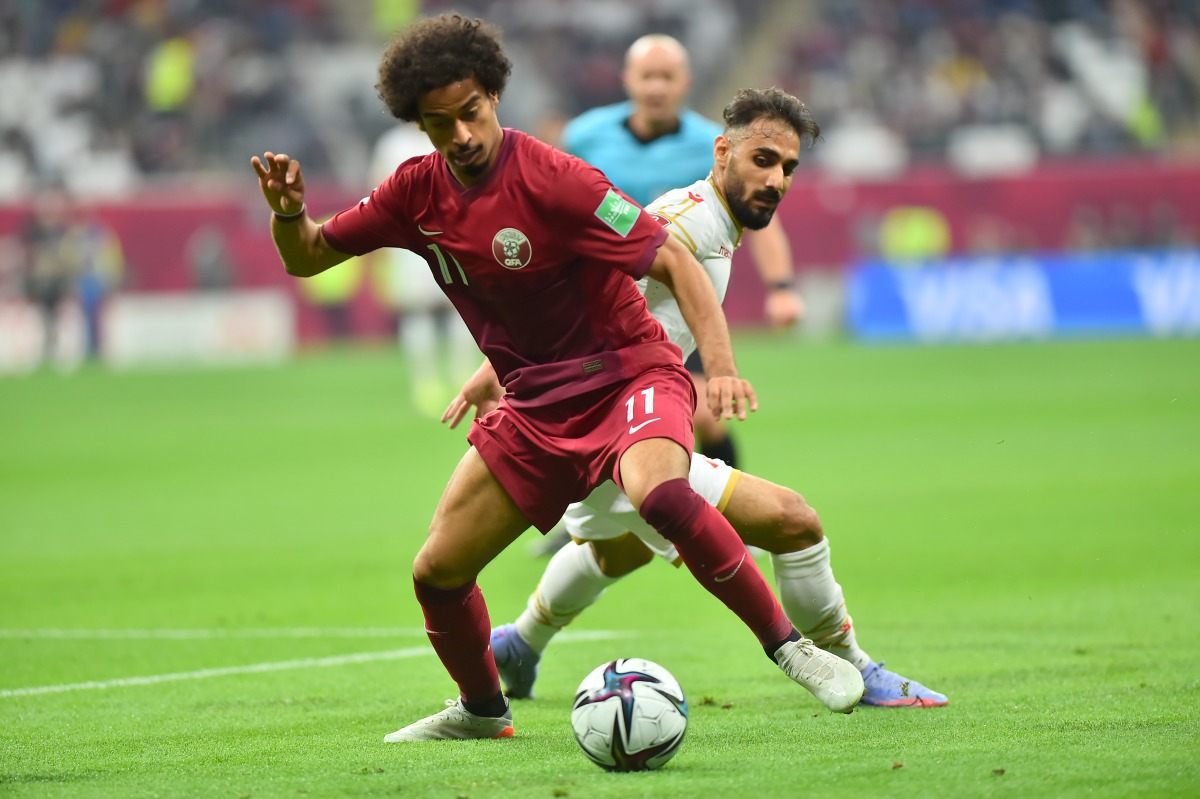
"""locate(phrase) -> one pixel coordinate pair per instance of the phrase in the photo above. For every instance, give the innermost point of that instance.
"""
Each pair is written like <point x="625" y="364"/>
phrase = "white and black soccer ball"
<point x="629" y="715"/>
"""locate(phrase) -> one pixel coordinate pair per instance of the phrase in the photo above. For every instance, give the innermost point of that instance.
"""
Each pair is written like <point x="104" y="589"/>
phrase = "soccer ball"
<point x="629" y="715"/>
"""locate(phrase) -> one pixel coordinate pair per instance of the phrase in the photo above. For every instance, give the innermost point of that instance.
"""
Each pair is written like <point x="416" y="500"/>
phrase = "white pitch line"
<point x="66" y="634"/>
<point x="258" y="668"/>
<point x="201" y="674"/>
<point x="201" y="634"/>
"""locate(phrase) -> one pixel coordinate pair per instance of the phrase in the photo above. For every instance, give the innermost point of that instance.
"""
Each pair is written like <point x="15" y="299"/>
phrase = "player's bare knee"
<point x="797" y="524"/>
<point x="436" y="573"/>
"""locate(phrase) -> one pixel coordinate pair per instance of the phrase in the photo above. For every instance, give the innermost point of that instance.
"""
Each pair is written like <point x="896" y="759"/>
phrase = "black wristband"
<point x="290" y="217"/>
<point x="781" y="285"/>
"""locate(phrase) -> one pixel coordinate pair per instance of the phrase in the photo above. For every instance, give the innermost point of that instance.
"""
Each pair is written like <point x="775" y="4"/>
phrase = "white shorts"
<point x="607" y="513"/>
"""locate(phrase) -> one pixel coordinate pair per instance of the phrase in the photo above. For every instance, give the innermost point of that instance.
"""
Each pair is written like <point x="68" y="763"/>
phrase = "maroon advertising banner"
<point x="214" y="240"/>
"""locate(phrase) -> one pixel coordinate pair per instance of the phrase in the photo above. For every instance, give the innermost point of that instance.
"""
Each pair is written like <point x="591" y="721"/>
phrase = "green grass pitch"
<point x="205" y="590"/>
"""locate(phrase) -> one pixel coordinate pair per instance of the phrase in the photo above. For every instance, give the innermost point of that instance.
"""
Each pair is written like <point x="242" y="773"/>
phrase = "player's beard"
<point x="739" y="202"/>
<point x="475" y="168"/>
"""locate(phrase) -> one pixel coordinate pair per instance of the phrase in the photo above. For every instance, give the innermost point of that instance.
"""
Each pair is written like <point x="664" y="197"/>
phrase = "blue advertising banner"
<point x="1020" y="297"/>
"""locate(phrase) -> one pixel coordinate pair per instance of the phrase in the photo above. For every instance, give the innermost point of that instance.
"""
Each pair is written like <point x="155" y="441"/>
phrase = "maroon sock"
<point x="717" y="558"/>
<point x="456" y="620"/>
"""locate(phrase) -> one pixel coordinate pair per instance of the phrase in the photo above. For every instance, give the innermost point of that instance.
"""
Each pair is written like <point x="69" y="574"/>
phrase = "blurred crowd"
<point x="986" y="80"/>
<point x="105" y="95"/>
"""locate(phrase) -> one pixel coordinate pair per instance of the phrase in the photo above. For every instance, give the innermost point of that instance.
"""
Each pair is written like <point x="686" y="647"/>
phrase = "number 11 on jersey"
<point x="446" y="278"/>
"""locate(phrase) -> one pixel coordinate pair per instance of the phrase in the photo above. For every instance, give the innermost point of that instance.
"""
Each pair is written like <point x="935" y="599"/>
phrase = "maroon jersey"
<point x="539" y="258"/>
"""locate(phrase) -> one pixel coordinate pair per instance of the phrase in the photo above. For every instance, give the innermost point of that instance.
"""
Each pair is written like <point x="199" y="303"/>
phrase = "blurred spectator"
<point x="208" y="259"/>
<point x="1086" y="230"/>
<point x="438" y="348"/>
<point x="68" y="255"/>
<point x="53" y="249"/>
<point x="154" y="87"/>
<point x="911" y="233"/>
<point x="101" y="269"/>
<point x="1083" y="77"/>
<point x="331" y="293"/>
<point x="128" y="91"/>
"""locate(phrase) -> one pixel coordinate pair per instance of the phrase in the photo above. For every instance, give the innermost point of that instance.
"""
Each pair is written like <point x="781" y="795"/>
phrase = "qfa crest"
<point x="512" y="248"/>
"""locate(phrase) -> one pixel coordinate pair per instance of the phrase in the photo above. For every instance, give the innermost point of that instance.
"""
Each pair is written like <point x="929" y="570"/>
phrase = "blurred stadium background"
<point x="1016" y="524"/>
<point x="990" y="170"/>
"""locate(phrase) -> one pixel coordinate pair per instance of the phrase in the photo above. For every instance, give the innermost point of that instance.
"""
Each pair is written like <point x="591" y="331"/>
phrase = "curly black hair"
<point x="435" y="52"/>
<point x="749" y="105"/>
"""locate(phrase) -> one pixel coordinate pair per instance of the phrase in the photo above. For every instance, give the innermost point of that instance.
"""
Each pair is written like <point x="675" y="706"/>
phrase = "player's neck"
<point x="647" y="130"/>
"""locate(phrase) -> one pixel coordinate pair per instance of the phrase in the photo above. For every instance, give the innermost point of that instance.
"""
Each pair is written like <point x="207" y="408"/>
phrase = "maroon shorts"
<point x="548" y="457"/>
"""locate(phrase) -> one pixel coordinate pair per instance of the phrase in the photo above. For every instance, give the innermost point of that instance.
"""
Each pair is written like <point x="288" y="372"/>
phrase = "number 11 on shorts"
<point x="648" y="393"/>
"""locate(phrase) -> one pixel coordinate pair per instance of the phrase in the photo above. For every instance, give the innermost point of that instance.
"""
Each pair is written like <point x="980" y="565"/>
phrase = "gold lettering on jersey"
<point x="591" y="367"/>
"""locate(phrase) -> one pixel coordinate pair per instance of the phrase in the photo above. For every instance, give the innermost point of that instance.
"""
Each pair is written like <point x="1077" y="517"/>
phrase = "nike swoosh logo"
<point x="634" y="428"/>
<point x="430" y="232"/>
<point x="731" y="574"/>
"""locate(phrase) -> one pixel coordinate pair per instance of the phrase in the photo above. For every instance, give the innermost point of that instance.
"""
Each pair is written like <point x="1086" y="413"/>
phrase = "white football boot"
<point x="835" y="682"/>
<point x="454" y="723"/>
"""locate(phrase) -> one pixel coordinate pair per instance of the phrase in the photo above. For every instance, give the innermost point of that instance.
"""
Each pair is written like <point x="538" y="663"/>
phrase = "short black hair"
<point x="436" y="52"/>
<point x="750" y="105"/>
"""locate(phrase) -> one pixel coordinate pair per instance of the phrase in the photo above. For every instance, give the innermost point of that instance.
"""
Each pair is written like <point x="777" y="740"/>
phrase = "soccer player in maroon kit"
<point x="539" y="253"/>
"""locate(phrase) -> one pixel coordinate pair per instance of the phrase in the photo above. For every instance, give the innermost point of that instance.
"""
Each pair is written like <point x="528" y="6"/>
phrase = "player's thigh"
<point x="656" y="406"/>
<point x="771" y="516"/>
<point x="474" y="521"/>
<point x="648" y="464"/>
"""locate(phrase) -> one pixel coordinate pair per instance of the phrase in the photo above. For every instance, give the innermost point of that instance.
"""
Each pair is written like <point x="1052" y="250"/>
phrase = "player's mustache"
<point x="768" y="196"/>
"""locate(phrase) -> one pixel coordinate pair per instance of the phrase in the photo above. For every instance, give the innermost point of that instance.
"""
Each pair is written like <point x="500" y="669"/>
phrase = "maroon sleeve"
<point x="606" y="226"/>
<point x="378" y="220"/>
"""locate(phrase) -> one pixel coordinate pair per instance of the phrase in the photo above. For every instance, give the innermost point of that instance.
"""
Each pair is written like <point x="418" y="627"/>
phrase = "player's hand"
<point x="281" y="182"/>
<point x="481" y="391"/>
<point x="730" y="396"/>
<point x="783" y="308"/>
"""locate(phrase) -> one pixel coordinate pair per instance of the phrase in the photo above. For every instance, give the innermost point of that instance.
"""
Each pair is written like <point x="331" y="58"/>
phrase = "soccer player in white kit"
<point x="753" y="163"/>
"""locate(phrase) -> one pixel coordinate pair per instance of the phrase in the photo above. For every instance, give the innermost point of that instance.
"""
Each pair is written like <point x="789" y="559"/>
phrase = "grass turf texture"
<point x="1013" y="526"/>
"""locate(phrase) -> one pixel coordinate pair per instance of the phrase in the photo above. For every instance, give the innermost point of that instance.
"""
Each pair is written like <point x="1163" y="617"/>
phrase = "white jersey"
<point x="699" y="219"/>
<point x="394" y="147"/>
<point x="405" y="280"/>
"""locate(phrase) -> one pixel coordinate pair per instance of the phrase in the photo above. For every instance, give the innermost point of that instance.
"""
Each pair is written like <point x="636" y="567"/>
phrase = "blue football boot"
<point x="516" y="662"/>
<point x="888" y="689"/>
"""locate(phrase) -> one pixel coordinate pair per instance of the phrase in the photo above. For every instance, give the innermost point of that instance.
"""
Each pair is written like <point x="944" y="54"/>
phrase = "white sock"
<point x="571" y="582"/>
<point x="813" y="600"/>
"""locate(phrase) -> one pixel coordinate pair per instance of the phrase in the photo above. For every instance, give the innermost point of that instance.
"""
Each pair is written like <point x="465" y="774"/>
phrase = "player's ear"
<point x="722" y="151"/>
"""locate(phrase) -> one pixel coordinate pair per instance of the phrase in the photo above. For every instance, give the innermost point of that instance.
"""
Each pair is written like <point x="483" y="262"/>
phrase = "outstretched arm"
<point x="298" y="238"/>
<point x="674" y="267"/>
<point x="772" y="255"/>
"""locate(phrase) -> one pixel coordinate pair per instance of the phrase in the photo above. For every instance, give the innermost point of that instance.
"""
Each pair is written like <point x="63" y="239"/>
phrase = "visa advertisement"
<point x="1027" y="297"/>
